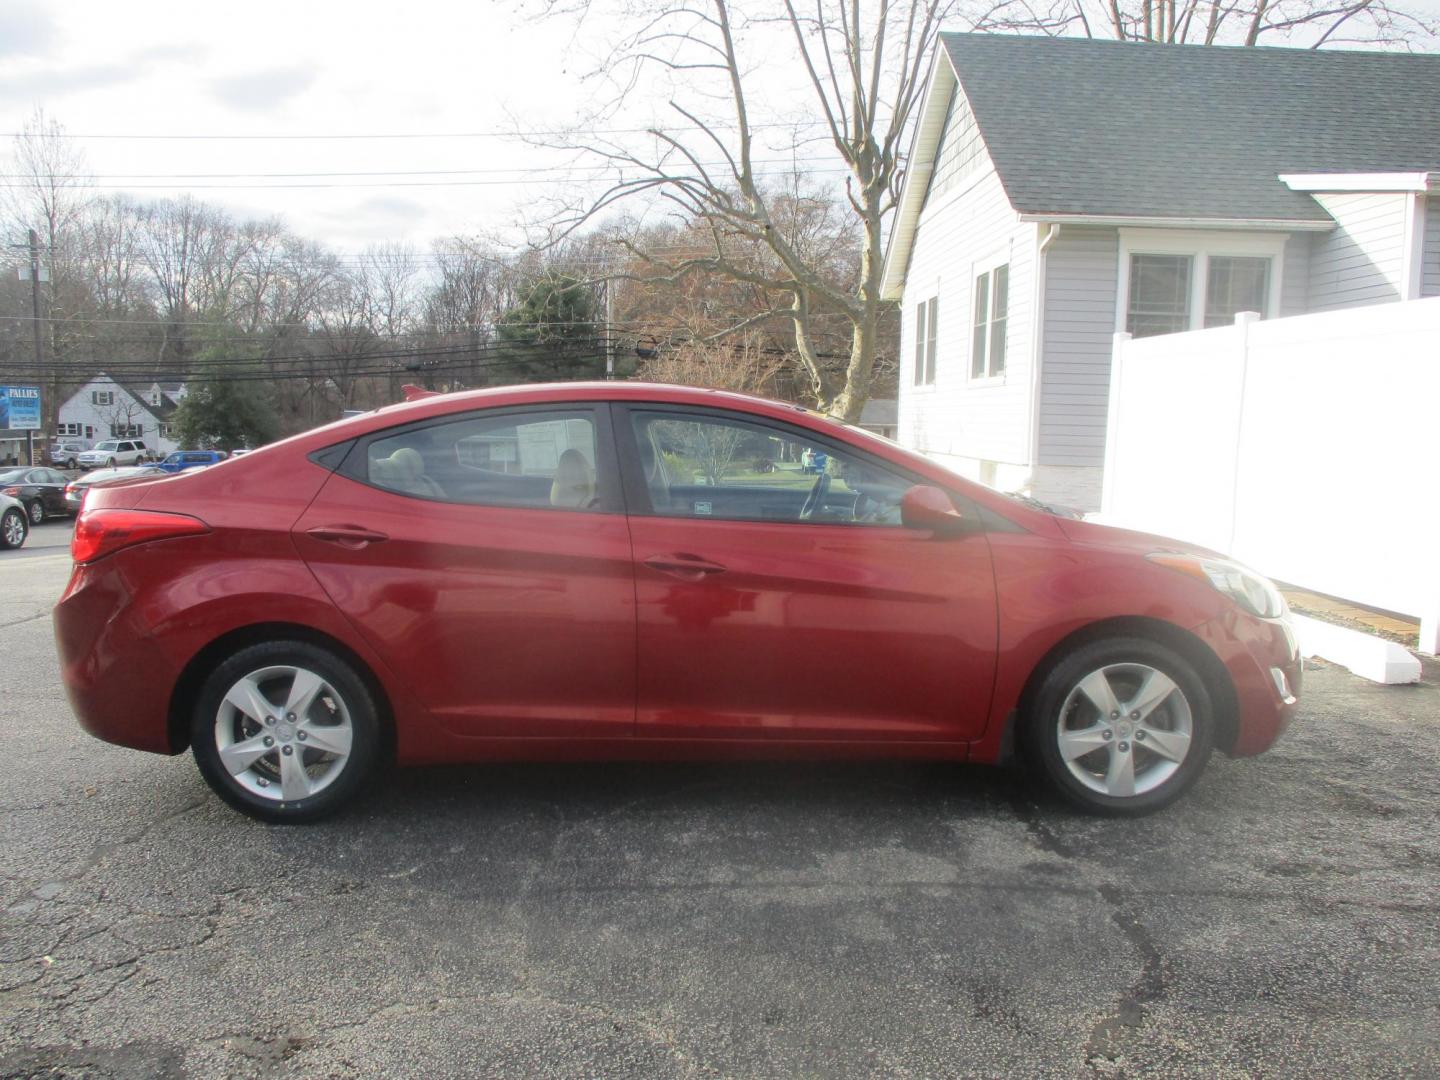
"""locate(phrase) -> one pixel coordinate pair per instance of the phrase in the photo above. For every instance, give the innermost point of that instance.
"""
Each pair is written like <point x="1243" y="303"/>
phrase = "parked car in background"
<point x="537" y="572"/>
<point x="75" y="490"/>
<point x="181" y="460"/>
<point x="65" y="453"/>
<point x="40" y="489"/>
<point x="114" y="452"/>
<point x="14" y="522"/>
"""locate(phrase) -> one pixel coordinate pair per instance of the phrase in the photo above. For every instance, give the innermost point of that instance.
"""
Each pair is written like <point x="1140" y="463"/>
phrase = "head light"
<point x="1254" y="593"/>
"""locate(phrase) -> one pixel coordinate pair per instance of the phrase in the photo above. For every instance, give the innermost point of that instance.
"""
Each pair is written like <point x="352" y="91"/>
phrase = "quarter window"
<point x="992" y="312"/>
<point x="537" y="460"/>
<point x="720" y="467"/>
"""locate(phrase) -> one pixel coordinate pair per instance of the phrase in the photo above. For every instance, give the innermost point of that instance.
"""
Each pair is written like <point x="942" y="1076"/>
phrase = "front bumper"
<point x="1263" y="661"/>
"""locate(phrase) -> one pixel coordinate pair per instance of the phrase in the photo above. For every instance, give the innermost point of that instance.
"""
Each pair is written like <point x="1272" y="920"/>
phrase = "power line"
<point x="354" y="136"/>
<point x="523" y="171"/>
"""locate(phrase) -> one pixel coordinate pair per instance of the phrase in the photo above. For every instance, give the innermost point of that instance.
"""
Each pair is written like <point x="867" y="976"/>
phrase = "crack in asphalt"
<point x="22" y="622"/>
<point x="1105" y="1047"/>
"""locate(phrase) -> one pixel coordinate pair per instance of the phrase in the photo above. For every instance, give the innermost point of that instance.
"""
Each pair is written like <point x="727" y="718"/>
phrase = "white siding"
<point x="126" y="408"/>
<point x="1081" y="270"/>
<point x="1361" y="261"/>
<point x="1430" y="269"/>
<point x="959" y="422"/>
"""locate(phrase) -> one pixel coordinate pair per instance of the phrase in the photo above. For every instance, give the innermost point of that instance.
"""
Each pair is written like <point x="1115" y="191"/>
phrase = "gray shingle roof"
<point x="1107" y="128"/>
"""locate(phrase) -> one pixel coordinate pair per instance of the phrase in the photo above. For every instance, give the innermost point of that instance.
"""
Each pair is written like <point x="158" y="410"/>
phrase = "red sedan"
<point x="623" y="570"/>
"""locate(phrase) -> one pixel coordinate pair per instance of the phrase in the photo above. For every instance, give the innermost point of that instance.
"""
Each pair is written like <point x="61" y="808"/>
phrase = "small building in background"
<point x="106" y="408"/>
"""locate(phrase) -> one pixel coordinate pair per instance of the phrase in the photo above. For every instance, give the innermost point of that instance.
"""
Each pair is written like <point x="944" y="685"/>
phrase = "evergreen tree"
<point x="227" y="408"/>
<point x="551" y="332"/>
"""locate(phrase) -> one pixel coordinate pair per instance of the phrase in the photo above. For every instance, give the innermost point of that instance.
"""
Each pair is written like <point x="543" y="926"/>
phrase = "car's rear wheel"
<point x="13" y="528"/>
<point x="1121" y="726"/>
<point x="36" y="511"/>
<point x="285" y="731"/>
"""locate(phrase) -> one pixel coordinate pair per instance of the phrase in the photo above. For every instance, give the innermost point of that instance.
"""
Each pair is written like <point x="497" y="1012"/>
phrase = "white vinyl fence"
<point x="1307" y="447"/>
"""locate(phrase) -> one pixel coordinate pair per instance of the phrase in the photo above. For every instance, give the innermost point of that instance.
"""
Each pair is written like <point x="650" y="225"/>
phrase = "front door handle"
<point x="348" y="536"/>
<point x="681" y="565"/>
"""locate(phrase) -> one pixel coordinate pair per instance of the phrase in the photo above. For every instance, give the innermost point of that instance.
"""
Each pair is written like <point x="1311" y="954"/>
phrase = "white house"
<point x="106" y="408"/>
<point x="1061" y="190"/>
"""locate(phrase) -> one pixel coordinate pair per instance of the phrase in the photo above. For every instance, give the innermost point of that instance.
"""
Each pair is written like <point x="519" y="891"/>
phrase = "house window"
<point x="927" y="315"/>
<point x="164" y="430"/>
<point x="155" y="397"/>
<point x="1233" y="285"/>
<point x="992" y="308"/>
<point x="102" y="397"/>
<point x="1159" y="295"/>
<point x="67" y="429"/>
<point x="126" y="431"/>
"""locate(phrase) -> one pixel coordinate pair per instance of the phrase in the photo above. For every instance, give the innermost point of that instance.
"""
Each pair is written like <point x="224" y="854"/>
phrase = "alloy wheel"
<point x="14" y="529"/>
<point x="37" y="512"/>
<point x="1124" y="729"/>
<point x="283" y="733"/>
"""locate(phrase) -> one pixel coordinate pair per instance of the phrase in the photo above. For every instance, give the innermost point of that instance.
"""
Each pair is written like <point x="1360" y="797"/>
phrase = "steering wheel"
<point x="816" y="498"/>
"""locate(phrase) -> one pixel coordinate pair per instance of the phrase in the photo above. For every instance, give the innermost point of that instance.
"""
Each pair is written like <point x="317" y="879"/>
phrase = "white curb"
<point x="1372" y="658"/>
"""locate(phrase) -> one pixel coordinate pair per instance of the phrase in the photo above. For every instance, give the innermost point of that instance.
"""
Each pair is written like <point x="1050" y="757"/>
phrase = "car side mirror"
<point x="926" y="507"/>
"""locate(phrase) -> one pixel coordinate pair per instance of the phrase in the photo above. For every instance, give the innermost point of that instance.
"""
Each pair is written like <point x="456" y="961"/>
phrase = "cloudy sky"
<point x="304" y="69"/>
<point x="278" y="103"/>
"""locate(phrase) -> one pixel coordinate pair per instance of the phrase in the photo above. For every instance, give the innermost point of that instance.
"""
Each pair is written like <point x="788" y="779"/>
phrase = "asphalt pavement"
<point x="891" y="920"/>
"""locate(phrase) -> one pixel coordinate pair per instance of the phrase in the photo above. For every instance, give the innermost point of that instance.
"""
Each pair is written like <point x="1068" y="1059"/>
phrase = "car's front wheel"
<point x="13" y="528"/>
<point x="285" y="731"/>
<point x="1121" y="726"/>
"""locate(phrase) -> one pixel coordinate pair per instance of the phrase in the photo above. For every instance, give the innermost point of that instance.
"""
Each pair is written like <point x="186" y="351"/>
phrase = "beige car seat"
<point x="404" y="470"/>
<point x="574" y="484"/>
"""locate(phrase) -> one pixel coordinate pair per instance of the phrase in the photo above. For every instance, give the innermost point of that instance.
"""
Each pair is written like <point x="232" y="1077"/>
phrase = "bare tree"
<point x="1218" y="22"/>
<point x="865" y="69"/>
<point x="742" y="363"/>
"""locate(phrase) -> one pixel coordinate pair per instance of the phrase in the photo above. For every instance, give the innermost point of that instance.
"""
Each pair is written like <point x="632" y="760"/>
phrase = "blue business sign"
<point x="20" y="408"/>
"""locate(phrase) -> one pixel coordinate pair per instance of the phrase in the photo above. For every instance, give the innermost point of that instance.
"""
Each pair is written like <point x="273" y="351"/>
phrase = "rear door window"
<point x="550" y="459"/>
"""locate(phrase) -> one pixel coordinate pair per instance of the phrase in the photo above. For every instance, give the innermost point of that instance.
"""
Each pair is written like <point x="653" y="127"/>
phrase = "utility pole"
<point x="39" y="335"/>
<point x="609" y="327"/>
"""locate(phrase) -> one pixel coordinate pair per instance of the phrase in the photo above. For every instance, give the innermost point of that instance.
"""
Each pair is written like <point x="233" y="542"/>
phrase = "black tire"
<point x="36" y="510"/>
<point x="110" y="464"/>
<point x="360" y="704"/>
<point x="1041" y="721"/>
<point x="13" y="523"/>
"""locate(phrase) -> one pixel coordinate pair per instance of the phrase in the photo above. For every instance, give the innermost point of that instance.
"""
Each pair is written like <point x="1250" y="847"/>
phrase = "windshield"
<point x="107" y="446"/>
<point x="174" y="459"/>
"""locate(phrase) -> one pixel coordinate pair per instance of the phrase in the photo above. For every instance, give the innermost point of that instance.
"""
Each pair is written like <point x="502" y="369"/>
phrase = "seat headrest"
<point x="574" y="484"/>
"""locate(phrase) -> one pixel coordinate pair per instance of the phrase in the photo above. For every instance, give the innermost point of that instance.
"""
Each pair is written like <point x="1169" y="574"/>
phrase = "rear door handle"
<point x="348" y="536"/>
<point x="689" y="567"/>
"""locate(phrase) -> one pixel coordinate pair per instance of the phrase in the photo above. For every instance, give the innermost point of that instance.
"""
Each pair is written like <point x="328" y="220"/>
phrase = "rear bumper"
<point x="117" y="679"/>
<point x="1263" y="661"/>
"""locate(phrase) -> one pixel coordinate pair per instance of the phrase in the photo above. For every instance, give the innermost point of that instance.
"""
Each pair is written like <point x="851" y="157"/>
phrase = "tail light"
<point x="12" y="491"/>
<point x="103" y="532"/>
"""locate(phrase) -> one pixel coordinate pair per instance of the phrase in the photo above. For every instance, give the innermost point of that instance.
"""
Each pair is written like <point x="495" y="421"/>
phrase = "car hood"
<point x="1092" y="532"/>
